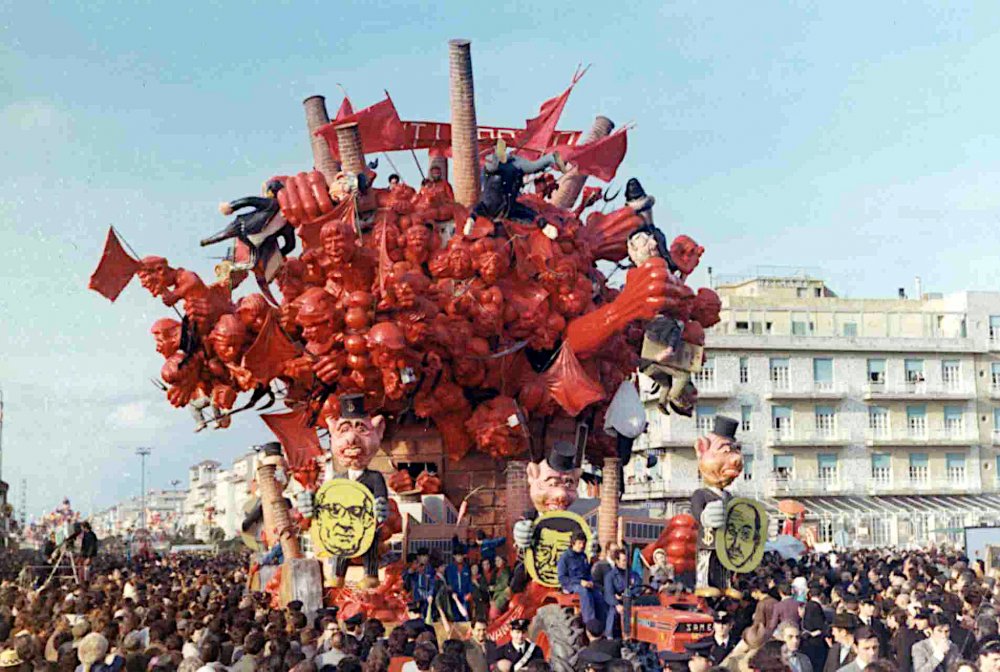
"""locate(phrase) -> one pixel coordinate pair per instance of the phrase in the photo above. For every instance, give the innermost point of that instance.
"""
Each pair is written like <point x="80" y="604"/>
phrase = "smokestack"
<point x="918" y="288"/>
<point x="607" y="512"/>
<point x="464" y="129"/>
<point x="352" y="157"/>
<point x="517" y="496"/>
<point x="317" y="116"/>
<point x="572" y="182"/>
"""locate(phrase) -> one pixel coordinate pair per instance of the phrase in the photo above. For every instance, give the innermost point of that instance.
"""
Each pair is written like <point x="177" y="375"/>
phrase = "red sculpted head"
<point x="156" y="275"/>
<point x="339" y="241"/>
<point x="291" y="279"/>
<point x="319" y="318"/>
<point x="686" y="254"/>
<point x="167" y="334"/>
<point x="706" y="307"/>
<point x="228" y="338"/>
<point x="418" y="244"/>
<point x="252" y="311"/>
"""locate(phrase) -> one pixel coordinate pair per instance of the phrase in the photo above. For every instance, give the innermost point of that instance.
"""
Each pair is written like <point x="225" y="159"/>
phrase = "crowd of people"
<point x="864" y="611"/>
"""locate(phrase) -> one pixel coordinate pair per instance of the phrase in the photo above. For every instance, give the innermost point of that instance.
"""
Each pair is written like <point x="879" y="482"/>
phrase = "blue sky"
<point x="858" y="138"/>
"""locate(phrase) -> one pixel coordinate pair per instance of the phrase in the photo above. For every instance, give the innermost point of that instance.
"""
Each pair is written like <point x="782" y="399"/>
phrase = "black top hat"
<point x="352" y="406"/>
<point x="354" y="620"/>
<point x="270" y="448"/>
<point x="295" y="605"/>
<point x="562" y="456"/>
<point x="633" y="189"/>
<point x="725" y="427"/>
<point x="845" y="621"/>
<point x="520" y="624"/>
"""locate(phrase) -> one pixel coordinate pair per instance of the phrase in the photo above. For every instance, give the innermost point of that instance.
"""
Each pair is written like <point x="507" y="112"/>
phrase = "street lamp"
<point x="142" y="453"/>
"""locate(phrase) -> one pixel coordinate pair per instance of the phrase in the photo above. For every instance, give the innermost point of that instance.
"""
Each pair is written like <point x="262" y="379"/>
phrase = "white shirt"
<point x="354" y="474"/>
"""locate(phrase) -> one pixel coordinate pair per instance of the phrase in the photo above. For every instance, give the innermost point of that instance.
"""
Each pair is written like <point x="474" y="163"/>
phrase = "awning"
<point x="825" y="507"/>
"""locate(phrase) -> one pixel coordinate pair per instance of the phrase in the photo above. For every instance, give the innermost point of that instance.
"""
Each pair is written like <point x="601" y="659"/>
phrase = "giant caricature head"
<point x="167" y="334"/>
<point x="155" y="275"/>
<point x="354" y="436"/>
<point x="228" y="338"/>
<point x="720" y="458"/>
<point x="552" y="483"/>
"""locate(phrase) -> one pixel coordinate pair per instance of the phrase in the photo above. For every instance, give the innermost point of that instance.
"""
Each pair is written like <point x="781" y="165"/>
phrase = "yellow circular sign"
<point x="343" y="522"/>
<point x="553" y="531"/>
<point x="740" y="543"/>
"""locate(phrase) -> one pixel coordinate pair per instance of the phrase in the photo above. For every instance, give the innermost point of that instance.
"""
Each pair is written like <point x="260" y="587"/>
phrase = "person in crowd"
<point x="488" y="546"/>
<point x="722" y="639"/>
<point x="661" y="573"/>
<point x="842" y="650"/>
<point x="480" y="651"/>
<point x="619" y="582"/>
<point x="520" y="650"/>
<point x="460" y="584"/>
<point x="936" y="653"/>
<point x="500" y="588"/>
<point x="788" y="633"/>
<point x="575" y="577"/>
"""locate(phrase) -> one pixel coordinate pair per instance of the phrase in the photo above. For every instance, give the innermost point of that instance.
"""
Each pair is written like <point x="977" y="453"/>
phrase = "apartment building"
<point x="882" y="416"/>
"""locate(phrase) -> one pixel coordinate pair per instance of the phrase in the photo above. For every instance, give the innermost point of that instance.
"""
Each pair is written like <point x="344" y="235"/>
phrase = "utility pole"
<point x="24" y="504"/>
<point x="142" y="453"/>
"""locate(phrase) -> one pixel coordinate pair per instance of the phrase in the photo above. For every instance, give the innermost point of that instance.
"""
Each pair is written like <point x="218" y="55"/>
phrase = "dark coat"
<point x="508" y="652"/>
<point x="833" y="661"/>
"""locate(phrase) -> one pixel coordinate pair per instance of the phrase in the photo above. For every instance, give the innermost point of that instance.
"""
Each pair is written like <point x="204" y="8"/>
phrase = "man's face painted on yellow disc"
<point x="742" y="533"/>
<point x="551" y="544"/>
<point x="344" y="516"/>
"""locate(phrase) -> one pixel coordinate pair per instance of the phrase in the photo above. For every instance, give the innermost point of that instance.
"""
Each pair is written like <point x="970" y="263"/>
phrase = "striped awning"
<point x="823" y="507"/>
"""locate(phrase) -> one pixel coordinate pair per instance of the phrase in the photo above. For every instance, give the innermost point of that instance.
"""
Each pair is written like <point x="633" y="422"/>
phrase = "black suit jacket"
<point x="699" y="498"/>
<point x="508" y="652"/>
<point x="371" y="479"/>
<point x="833" y="662"/>
<point x="612" y="647"/>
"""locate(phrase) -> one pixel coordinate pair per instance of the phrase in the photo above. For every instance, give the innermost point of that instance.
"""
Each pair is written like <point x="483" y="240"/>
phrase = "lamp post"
<point x="142" y="453"/>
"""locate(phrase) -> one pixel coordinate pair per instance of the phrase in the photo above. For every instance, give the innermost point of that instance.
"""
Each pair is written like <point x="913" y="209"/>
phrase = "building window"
<point x="995" y="328"/>
<point x="878" y="421"/>
<point x="876" y="371"/>
<point x="881" y="469"/>
<point x="744" y="370"/>
<point x="748" y="466"/>
<point x="850" y="329"/>
<point x="801" y="292"/>
<point x="953" y="421"/>
<point x="825" y="532"/>
<point x="745" y="415"/>
<point x="950" y="372"/>
<point x="742" y="327"/>
<point x="919" y="470"/>
<point x="784" y="467"/>
<point x="995" y="377"/>
<point x="781" y="421"/>
<point x="955" y="468"/>
<point x="704" y="418"/>
<point x="996" y="424"/>
<point x="880" y="530"/>
<point x="827" y="466"/>
<point x="914" y="369"/>
<point x="779" y="372"/>
<point x="916" y="422"/>
<point x="705" y="379"/>
<point x="825" y="420"/>
<point x="823" y="373"/>
<point x="798" y="328"/>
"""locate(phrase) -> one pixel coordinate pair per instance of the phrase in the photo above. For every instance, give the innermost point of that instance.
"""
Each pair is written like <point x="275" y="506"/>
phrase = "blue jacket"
<point x="614" y="585"/>
<point x="488" y="547"/>
<point x="459" y="580"/>
<point x="422" y="584"/>
<point x="573" y="568"/>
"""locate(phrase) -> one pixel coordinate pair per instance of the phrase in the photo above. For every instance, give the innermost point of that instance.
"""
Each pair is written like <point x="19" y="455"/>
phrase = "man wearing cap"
<point x="700" y="660"/>
<point x="459" y="579"/>
<point x="598" y="642"/>
<point x="722" y="642"/>
<point x="720" y="462"/>
<point x="355" y="437"/>
<point x="591" y="660"/>
<point x="520" y="650"/>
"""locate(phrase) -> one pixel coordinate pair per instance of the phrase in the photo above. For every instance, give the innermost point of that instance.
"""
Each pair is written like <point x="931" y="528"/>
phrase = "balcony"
<point x="915" y="437"/>
<point x="916" y="391"/>
<point x="792" y="438"/>
<point x="681" y="488"/>
<point x="681" y="432"/>
<point x="824" y="391"/>
<point x="908" y="486"/>
<point x="710" y="387"/>
<point x="777" y="486"/>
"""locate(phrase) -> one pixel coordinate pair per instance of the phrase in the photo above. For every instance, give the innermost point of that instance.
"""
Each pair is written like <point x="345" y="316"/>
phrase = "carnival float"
<point x="458" y="345"/>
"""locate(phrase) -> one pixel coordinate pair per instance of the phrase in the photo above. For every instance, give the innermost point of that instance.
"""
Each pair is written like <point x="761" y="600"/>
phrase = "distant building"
<point x="882" y="416"/>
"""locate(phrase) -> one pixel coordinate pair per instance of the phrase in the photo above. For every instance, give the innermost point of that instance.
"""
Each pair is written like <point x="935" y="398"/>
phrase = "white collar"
<point x="719" y="491"/>
<point x="354" y="474"/>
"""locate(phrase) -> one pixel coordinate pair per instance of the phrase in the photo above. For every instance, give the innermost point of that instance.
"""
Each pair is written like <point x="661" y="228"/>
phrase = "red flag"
<point x="570" y="385"/>
<point x="384" y="262"/>
<point x="346" y="110"/>
<point x="300" y="442"/>
<point x="266" y="357"/>
<point x="600" y="158"/>
<point x="379" y="125"/>
<point x="115" y="270"/>
<point x="537" y="134"/>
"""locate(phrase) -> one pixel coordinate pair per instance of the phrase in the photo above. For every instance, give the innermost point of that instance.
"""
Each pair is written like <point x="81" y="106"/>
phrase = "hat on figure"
<point x="725" y="427"/>
<point x="352" y="406"/>
<point x="562" y="456"/>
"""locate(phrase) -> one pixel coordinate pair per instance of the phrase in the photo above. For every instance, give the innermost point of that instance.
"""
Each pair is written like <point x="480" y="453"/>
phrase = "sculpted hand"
<point x="523" y="531"/>
<point x="381" y="509"/>
<point x="713" y="516"/>
<point x="305" y="502"/>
